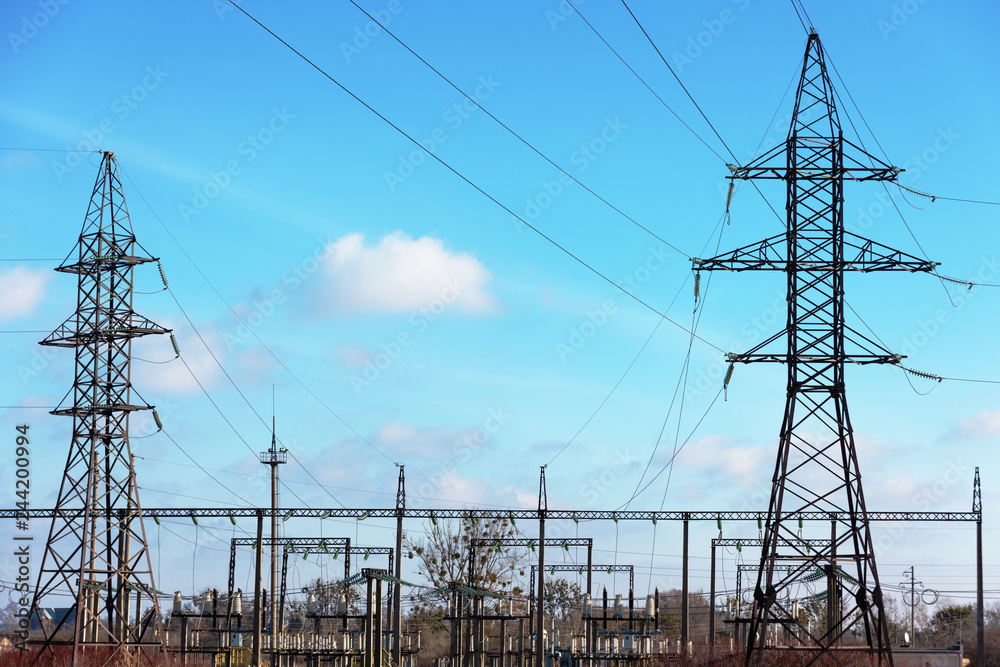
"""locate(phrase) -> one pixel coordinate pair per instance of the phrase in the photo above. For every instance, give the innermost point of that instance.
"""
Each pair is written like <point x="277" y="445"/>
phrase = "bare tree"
<point x="443" y="556"/>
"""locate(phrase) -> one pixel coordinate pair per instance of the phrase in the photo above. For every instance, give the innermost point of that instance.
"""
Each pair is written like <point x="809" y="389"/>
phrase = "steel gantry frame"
<point x="96" y="552"/>
<point x="480" y="514"/>
<point x="262" y="513"/>
<point x="817" y="468"/>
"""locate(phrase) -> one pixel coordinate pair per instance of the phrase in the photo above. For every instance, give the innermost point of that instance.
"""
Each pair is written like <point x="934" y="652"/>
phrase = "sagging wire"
<point x="916" y="192"/>
<point x="968" y="288"/>
<point x="909" y="371"/>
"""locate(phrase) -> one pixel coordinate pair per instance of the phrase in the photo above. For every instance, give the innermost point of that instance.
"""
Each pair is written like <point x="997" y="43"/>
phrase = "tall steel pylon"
<point x="98" y="558"/>
<point x="817" y="465"/>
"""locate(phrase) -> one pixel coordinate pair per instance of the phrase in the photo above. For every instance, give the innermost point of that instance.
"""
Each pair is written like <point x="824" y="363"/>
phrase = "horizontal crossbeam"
<point x="525" y="514"/>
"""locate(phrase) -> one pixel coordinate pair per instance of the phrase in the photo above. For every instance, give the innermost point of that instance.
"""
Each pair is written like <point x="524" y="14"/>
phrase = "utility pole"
<point x="258" y="552"/>
<point x="913" y="602"/>
<point x="977" y="506"/>
<point x="816" y="468"/>
<point x="540" y="602"/>
<point x="96" y="557"/>
<point x="273" y="458"/>
<point x="397" y="589"/>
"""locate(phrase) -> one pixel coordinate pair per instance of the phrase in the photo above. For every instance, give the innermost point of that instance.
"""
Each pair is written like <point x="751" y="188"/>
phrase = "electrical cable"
<point x="318" y="483"/>
<point x="679" y="449"/>
<point x="886" y="156"/>
<point x="44" y="150"/>
<point x="682" y="377"/>
<point x="636" y="358"/>
<point x="183" y="451"/>
<point x="469" y="182"/>
<point x="969" y="201"/>
<point x="519" y="137"/>
<point x="697" y="106"/>
<point x="642" y="81"/>
<point x="683" y="87"/>
<point x="799" y="17"/>
<point x="238" y="390"/>
<point x="249" y="328"/>
<point x="606" y="398"/>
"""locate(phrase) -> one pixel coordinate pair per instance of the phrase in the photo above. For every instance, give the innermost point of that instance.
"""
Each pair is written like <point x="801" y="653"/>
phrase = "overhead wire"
<point x="249" y="328"/>
<point x="518" y="136"/>
<point x="468" y="181"/>
<point x="643" y="81"/>
<point x="681" y="83"/>
<point x="718" y="226"/>
<point x="885" y="187"/>
<point x="696" y="105"/>
<point x="679" y="450"/>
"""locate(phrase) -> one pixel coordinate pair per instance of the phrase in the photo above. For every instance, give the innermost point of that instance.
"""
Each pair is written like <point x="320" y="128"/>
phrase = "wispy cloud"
<point x="23" y="291"/>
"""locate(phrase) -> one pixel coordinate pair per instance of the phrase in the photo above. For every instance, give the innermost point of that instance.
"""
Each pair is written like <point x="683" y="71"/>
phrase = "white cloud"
<point x="161" y="379"/>
<point x="23" y="290"/>
<point x="402" y="275"/>
<point x="983" y="424"/>
<point x="740" y="465"/>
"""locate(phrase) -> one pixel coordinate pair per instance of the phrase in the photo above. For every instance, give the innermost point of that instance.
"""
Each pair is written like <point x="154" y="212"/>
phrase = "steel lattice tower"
<point x="817" y="467"/>
<point x="97" y="554"/>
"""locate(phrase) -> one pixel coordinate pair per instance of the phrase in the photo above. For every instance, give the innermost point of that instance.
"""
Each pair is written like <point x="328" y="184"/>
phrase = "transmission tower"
<point x="817" y="467"/>
<point x="96" y="554"/>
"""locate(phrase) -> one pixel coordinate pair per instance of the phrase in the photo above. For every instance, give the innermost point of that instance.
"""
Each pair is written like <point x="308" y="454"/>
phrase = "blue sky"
<point x="460" y="343"/>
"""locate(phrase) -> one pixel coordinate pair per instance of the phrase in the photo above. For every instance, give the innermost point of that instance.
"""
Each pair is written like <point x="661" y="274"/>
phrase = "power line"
<point x="669" y="463"/>
<point x="642" y="81"/>
<point x="606" y="398"/>
<point x="683" y="87"/>
<point x="447" y="166"/>
<point x="519" y="137"/>
<point x="696" y="105"/>
<point x="249" y="328"/>
<point x="199" y="466"/>
<point x="45" y="150"/>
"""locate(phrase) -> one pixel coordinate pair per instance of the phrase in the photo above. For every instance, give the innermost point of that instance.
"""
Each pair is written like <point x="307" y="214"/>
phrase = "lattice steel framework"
<point x="817" y="468"/>
<point x="96" y="553"/>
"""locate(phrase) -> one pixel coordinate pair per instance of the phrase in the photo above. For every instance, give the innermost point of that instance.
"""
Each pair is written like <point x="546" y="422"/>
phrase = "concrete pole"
<point x="540" y="620"/>
<point x="980" y="641"/>
<point x="397" y="589"/>
<point x="256" y="590"/>
<point x="711" y="607"/>
<point x="684" y="590"/>
<point x="273" y="616"/>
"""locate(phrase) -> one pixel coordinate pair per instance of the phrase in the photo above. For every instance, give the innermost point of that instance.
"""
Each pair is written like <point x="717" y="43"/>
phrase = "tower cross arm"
<point x="857" y="165"/>
<point x="860" y="254"/>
